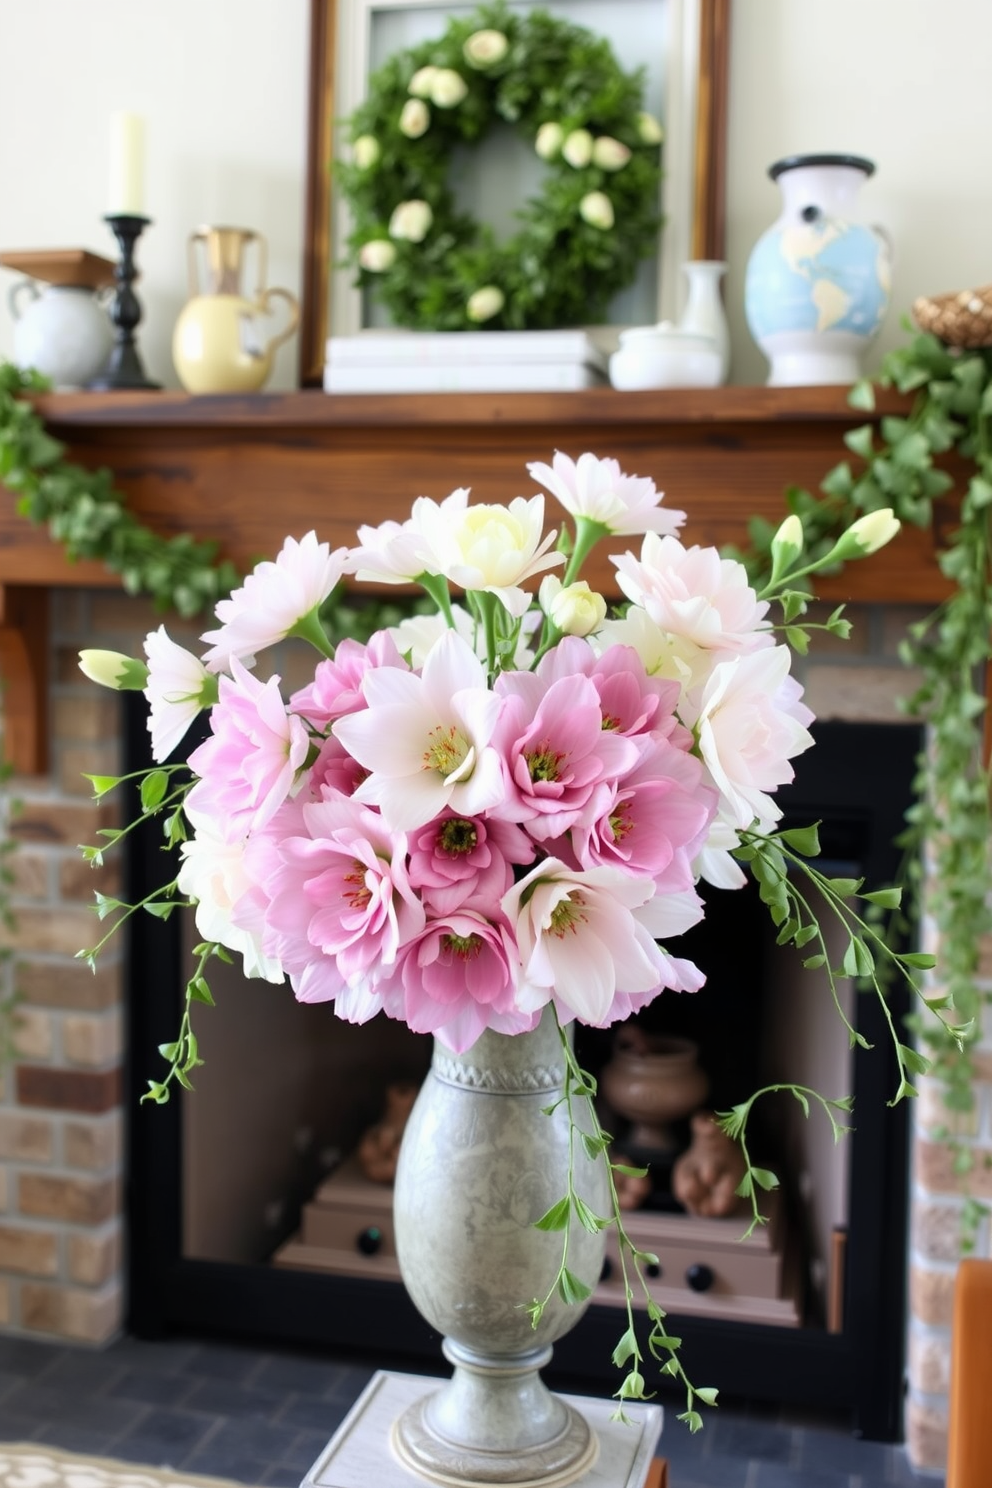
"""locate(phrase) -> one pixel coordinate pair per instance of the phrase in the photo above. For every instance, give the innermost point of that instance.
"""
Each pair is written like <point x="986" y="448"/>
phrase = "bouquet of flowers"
<point x="505" y="804"/>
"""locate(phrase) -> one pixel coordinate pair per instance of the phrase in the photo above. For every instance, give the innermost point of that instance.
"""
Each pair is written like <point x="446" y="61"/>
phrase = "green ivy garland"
<point x="562" y="90"/>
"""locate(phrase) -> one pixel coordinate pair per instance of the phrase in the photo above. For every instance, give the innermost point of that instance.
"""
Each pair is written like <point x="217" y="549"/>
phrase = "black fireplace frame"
<point x="860" y="773"/>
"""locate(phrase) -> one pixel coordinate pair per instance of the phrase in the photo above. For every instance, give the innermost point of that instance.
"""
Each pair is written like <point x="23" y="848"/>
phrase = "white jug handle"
<point x="16" y="291"/>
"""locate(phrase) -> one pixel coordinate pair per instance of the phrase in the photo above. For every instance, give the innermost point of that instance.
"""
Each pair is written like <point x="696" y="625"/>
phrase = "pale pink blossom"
<point x="336" y="688"/>
<point x="340" y="903"/>
<point x="392" y="553"/>
<point x="248" y="765"/>
<point x="426" y="739"/>
<point x="272" y="600"/>
<point x="177" y="689"/>
<point x="749" y="722"/>
<point x="457" y="859"/>
<point x="599" y="491"/>
<point x="665" y="656"/>
<point x="582" y="942"/>
<point x="696" y="594"/>
<point x="560" y="760"/>
<point x="458" y="978"/>
<point x="213" y="873"/>
<point x="487" y="548"/>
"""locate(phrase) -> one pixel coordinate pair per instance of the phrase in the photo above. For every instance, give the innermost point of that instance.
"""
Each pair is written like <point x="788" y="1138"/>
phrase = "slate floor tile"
<point x="222" y="1397"/>
<point x="172" y="1432"/>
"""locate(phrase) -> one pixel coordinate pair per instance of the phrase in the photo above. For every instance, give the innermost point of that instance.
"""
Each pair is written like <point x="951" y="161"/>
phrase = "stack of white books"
<point x="463" y="362"/>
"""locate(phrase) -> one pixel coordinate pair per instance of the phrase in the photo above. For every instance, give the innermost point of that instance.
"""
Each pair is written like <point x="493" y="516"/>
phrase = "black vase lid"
<point x="793" y="162"/>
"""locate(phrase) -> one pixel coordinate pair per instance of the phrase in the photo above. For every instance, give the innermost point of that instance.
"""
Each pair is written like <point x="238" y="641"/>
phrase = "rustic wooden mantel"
<point x="248" y="470"/>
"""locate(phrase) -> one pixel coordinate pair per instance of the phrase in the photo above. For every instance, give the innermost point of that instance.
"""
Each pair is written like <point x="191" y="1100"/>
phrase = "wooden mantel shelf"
<point x="246" y="471"/>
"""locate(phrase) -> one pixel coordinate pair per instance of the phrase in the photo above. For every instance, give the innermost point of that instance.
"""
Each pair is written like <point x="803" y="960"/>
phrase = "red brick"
<point x="89" y="1091"/>
<point x="87" y="1201"/>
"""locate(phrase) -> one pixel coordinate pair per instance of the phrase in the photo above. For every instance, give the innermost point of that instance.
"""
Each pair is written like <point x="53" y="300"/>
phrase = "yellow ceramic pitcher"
<point x="219" y="344"/>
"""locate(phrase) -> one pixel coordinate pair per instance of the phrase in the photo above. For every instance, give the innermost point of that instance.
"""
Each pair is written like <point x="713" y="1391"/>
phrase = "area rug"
<point x="29" y="1465"/>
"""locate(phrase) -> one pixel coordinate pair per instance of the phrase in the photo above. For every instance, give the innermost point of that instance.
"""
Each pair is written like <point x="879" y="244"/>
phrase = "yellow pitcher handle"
<point x="294" y="314"/>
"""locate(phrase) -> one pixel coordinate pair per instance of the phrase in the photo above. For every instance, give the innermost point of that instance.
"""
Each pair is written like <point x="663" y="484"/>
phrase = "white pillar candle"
<point x="127" y="166"/>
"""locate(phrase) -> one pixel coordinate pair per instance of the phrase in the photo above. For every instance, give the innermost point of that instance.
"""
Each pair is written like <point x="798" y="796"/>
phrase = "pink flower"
<point x="340" y="902"/>
<point x="750" y="722"/>
<point x="214" y="873"/>
<point x="458" y="980"/>
<point x="336" y="688"/>
<point x="694" y="593"/>
<point x="559" y="758"/>
<point x="599" y="491"/>
<point x="274" y="598"/>
<point x="458" y="859"/>
<point x="426" y="739"/>
<point x="248" y="765"/>
<point x="632" y="702"/>
<point x="583" y="943"/>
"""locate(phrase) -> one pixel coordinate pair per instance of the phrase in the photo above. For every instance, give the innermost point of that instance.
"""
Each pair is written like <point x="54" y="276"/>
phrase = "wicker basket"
<point x="963" y="318"/>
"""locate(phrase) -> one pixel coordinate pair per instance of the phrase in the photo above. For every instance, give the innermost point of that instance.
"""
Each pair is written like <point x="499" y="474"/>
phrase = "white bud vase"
<point x="704" y="314"/>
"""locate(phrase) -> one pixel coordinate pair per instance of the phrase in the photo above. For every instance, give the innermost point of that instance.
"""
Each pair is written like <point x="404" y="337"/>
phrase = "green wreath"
<point x="560" y="86"/>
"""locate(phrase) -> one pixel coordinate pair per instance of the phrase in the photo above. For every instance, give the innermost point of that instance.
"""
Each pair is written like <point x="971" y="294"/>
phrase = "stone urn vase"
<point x="653" y="1081"/>
<point x="480" y="1162"/>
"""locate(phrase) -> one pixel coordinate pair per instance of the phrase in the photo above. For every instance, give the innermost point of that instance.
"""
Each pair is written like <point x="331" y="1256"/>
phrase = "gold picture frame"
<point x="697" y="136"/>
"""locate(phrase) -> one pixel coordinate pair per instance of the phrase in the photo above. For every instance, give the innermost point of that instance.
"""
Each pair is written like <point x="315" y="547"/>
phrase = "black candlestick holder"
<point x="124" y="371"/>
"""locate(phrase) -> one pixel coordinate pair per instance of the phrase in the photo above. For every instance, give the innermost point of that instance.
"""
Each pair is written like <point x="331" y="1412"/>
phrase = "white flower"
<point x="485" y="48"/>
<point x="448" y="88"/>
<point x="673" y="657"/>
<point x="113" y="669"/>
<point x="693" y="592"/>
<point x="576" y="610"/>
<point x="213" y="874"/>
<point x="426" y="739"/>
<point x="274" y="598"/>
<point x="392" y="553"/>
<point x="415" y="118"/>
<point x="597" y="209"/>
<point x="411" y="220"/>
<point x="491" y="548"/>
<point x="549" y="140"/>
<point x="377" y="255"/>
<point x="649" y="129"/>
<point x="422" y="81"/>
<point x="599" y="490"/>
<point x="577" y="148"/>
<point x="485" y="303"/>
<point x="609" y="153"/>
<point x="365" y="151"/>
<point x="178" y="687"/>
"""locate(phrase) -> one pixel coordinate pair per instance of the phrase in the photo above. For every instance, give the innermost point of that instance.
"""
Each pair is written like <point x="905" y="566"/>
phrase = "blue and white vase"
<point x="818" y="280"/>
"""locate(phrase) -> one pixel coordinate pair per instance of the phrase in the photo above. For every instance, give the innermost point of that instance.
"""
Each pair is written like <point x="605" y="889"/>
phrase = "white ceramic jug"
<point x="60" y="330"/>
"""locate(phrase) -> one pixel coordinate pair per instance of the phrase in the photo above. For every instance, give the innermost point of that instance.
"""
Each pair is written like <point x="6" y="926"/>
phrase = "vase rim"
<point x="795" y="162"/>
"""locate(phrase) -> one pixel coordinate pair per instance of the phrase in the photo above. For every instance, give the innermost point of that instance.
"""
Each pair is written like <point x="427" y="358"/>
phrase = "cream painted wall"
<point x="222" y="84"/>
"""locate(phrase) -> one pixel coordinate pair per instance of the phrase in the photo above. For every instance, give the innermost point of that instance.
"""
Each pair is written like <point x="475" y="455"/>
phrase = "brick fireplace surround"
<point x="253" y="470"/>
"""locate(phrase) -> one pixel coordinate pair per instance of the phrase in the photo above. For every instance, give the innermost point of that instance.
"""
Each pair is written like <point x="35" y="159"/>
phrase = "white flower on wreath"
<point x="365" y="151"/>
<point x="415" y="118"/>
<point x="597" y="209"/>
<point x="649" y="129"/>
<point x="485" y="303"/>
<point x="422" y="82"/>
<point x="411" y="220"/>
<point x="448" y="88"/>
<point x="549" y="140"/>
<point x="377" y="255"/>
<point x="577" y="149"/>
<point x="609" y="154"/>
<point x="485" y="48"/>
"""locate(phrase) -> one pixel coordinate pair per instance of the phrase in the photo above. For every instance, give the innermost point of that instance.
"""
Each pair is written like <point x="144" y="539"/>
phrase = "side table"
<point x="358" y="1455"/>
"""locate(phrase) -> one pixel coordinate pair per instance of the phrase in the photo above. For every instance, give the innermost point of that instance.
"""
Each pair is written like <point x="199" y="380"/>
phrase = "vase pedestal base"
<point x="361" y="1454"/>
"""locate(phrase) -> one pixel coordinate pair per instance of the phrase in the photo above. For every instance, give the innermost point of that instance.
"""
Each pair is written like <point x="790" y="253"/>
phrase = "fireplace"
<point x="218" y="1179"/>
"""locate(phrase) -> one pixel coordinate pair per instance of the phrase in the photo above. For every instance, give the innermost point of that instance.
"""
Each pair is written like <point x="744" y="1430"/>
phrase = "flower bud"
<point x="577" y="148"/>
<point x="365" y="151"/>
<point x="867" y="534"/>
<point x="422" y="81"/>
<point x="597" y="209"/>
<point x="609" y="153"/>
<point x="411" y="220"/>
<point x="485" y="48"/>
<point x="548" y="141"/>
<point x="415" y="119"/>
<point x="649" y="129"/>
<point x="485" y="303"/>
<point x="377" y="255"/>
<point x="787" y="544"/>
<point x="113" y="669"/>
<point x="576" y="610"/>
<point x="448" y="88"/>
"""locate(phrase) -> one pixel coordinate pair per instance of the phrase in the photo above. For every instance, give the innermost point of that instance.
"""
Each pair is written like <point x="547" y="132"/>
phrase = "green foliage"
<point x="556" y="270"/>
